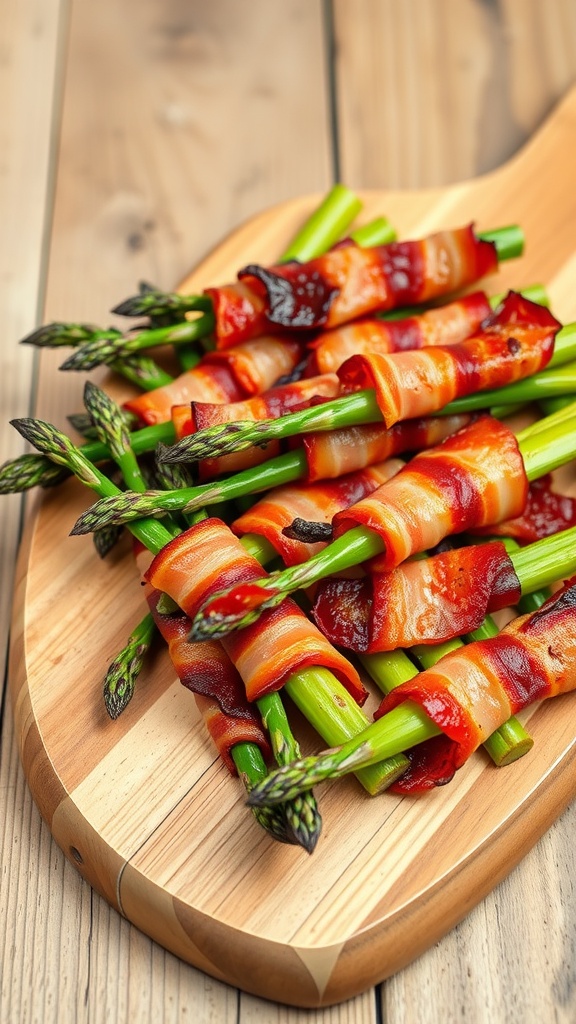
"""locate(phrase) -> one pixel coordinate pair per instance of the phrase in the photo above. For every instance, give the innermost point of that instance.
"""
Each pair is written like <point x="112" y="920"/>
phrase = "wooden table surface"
<point x="135" y="136"/>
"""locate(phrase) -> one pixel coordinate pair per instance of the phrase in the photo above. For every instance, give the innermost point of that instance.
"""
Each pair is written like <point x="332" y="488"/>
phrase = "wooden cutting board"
<point x="142" y="807"/>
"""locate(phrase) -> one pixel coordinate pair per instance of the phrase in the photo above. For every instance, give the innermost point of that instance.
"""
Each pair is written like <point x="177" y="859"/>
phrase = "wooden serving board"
<point x="142" y="806"/>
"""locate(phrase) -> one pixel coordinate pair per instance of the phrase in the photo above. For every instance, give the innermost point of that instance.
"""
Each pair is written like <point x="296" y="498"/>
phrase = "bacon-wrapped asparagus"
<point x="348" y="282"/>
<point x="513" y="343"/>
<point x="274" y="402"/>
<point x="447" y="711"/>
<point x="477" y="477"/>
<point x="444" y="325"/>
<point x="206" y="557"/>
<point x="430" y="600"/>
<point x="248" y="369"/>
<point x="324" y="456"/>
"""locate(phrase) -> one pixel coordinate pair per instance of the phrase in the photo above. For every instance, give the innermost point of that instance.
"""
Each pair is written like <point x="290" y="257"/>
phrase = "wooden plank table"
<point x="135" y="136"/>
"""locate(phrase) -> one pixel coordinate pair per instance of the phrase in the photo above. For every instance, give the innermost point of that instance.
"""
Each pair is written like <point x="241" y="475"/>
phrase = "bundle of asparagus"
<point x="487" y="355"/>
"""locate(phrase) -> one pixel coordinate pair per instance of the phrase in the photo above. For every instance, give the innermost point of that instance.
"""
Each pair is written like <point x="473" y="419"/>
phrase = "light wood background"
<point x="133" y="137"/>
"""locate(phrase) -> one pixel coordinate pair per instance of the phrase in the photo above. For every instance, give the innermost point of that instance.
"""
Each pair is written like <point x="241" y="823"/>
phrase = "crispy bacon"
<point x="256" y="365"/>
<point x="445" y="325"/>
<point x="317" y="503"/>
<point x="214" y="383"/>
<point x="227" y="729"/>
<point x="515" y="342"/>
<point x="350" y="281"/>
<point x="239" y="312"/>
<point x="332" y="453"/>
<point x="208" y="557"/>
<point x="221" y="377"/>
<point x="426" y="601"/>
<point x="207" y="671"/>
<point x="474" y="478"/>
<point x="472" y="691"/>
<point x="270" y="405"/>
<point x="546" y="513"/>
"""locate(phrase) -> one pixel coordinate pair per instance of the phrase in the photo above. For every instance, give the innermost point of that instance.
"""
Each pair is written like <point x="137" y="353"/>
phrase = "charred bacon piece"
<point x="425" y="601"/>
<point x="348" y="282"/>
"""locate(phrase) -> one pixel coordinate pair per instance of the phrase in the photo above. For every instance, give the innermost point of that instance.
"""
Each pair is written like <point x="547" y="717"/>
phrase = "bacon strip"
<point x="228" y="729"/>
<point x="517" y="341"/>
<point x="472" y="691"/>
<point x="332" y="453"/>
<point x="546" y="513"/>
<point x="214" y="383"/>
<point x="270" y="405"/>
<point x="350" y="281"/>
<point x="207" y="671"/>
<point x="208" y="557"/>
<point x="317" y="503"/>
<point x="420" y="602"/>
<point x="474" y="478"/>
<point x="445" y="325"/>
<point x="221" y="377"/>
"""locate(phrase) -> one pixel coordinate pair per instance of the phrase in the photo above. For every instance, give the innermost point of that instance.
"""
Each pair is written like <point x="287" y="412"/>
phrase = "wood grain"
<point x="481" y="86"/>
<point x="148" y="814"/>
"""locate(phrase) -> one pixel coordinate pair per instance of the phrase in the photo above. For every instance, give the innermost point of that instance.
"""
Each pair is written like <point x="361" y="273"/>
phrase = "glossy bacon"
<point x="207" y="558"/>
<point x="207" y="671"/>
<point x="474" y="478"/>
<point x="332" y="453"/>
<point x="316" y="503"/>
<point x="546" y="513"/>
<point x="239" y="312"/>
<point x="258" y="364"/>
<point x="445" y="325"/>
<point x="517" y="341"/>
<point x="426" y="601"/>
<point x="215" y="383"/>
<point x="270" y="405"/>
<point x="471" y="692"/>
<point x="350" y="281"/>
<point x="221" y="377"/>
<point x="228" y="729"/>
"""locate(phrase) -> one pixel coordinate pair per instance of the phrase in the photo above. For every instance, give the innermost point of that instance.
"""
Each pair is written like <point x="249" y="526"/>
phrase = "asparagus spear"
<point x="120" y="679"/>
<point x="546" y="450"/>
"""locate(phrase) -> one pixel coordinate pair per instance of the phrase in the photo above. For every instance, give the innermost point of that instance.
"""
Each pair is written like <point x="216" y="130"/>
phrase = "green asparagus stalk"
<point x="543" y="452"/>
<point x="109" y="350"/>
<point x="31" y="470"/>
<point x="153" y="303"/>
<point x="120" y="679"/>
<point x="139" y="370"/>
<point x="325" y="226"/>
<point x="402" y="728"/>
